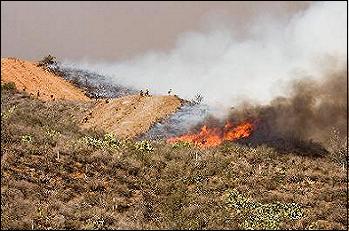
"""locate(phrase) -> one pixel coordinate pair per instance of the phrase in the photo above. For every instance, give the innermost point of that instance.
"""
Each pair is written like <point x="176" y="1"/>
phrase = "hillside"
<point x="126" y="116"/>
<point x="130" y="116"/>
<point x="56" y="175"/>
<point x="32" y="79"/>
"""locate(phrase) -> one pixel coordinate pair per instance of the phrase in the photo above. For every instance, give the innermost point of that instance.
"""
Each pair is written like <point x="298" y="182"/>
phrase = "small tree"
<point x="10" y="86"/>
<point x="47" y="60"/>
<point x="197" y="99"/>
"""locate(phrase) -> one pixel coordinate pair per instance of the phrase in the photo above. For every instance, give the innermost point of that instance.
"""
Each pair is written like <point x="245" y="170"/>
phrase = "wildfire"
<point x="210" y="137"/>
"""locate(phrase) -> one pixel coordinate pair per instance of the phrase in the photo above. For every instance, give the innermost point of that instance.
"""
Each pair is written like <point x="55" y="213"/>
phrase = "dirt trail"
<point x="27" y="76"/>
<point x="131" y="115"/>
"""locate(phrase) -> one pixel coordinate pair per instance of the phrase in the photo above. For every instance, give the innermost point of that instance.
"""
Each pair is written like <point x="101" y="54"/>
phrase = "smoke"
<point x="227" y="69"/>
<point x="310" y="120"/>
<point x="287" y="75"/>
<point x="313" y="111"/>
<point x="187" y="117"/>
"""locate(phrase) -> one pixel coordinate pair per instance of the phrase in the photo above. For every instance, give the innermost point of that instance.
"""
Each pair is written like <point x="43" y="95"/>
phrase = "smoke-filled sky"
<point x="226" y="51"/>
<point x="118" y="30"/>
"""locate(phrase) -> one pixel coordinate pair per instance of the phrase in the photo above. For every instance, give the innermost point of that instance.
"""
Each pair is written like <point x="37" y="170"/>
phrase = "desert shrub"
<point x="26" y="139"/>
<point x="52" y="136"/>
<point x="256" y="215"/>
<point x="94" y="222"/>
<point x="47" y="60"/>
<point x="197" y="99"/>
<point x="7" y="114"/>
<point x="53" y="133"/>
<point x="49" y="63"/>
<point x="108" y="141"/>
<point x="111" y="140"/>
<point x="182" y="144"/>
<point x="337" y="146"/>
<point x="144" y="146"/>
<point x="322" y="225"/>
<point x="10" y="86"/>
<point x="92" y="141"/>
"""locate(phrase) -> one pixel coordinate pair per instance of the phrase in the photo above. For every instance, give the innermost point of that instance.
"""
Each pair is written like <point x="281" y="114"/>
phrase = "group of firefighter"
<point x="146" y="92"/>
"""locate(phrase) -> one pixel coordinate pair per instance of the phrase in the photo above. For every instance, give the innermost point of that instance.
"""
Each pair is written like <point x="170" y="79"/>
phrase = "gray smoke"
<point x="179" y="123"/>
<point x="312" y="111"/>
<point x="291" y="73"/>
<point x="227" y="69"/>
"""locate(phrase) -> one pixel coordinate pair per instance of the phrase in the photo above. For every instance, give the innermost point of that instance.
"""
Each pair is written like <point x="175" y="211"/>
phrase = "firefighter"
<point x="141" y="93"/>
<point x="146" y="92"/>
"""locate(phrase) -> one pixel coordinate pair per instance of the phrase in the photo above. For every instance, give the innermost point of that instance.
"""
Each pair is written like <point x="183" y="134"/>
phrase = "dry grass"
<point x="59" y="179"/>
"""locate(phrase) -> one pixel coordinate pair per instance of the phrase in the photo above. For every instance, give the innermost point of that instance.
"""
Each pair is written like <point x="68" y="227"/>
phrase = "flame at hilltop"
<point x="210" y="137"/>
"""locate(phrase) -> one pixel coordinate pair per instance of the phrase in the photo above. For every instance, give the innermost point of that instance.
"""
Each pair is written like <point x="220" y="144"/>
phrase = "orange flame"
<point x="210" y="137"/>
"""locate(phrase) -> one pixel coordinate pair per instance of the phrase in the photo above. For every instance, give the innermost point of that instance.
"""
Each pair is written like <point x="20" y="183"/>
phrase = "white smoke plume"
<point x="226" y="69"/>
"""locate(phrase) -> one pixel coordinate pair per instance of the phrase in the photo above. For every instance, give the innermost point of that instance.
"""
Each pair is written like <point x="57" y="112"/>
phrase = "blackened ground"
<point x="95" y="85"/>
<point x="178" y="123"/>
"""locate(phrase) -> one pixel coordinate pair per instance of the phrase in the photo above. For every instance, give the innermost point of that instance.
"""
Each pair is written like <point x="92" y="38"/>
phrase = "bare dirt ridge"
<point x="126" y="117"/>
<point x="131" y="115"/>
<point x="38" y="82"/>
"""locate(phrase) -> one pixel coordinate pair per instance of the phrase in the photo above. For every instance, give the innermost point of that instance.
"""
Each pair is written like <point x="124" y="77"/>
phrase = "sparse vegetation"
<point x="50" y="63"/>
<point x="47" y="61"/>
<point x="182" y="144"/>
<point x="144" y="146"/>
<point x="338" y="147"/>
<point x="99" y="143"/>
<point x="10" y="86"/>
<point x="26" y="139"/>
<point x="197" y="99"/>
<point x="69" y="178"/>
<point x="7" y="114"/>
<point x="256" y="215"/>
<point x="95" y="86"/>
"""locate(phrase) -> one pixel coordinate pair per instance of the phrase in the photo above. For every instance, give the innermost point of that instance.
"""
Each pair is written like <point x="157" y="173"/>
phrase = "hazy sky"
<point x="113" y="31"/>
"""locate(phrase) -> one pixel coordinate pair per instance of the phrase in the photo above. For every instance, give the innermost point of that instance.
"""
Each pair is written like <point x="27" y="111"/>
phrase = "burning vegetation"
<point x="302" y="122"/>
<point x="210" y="137"/>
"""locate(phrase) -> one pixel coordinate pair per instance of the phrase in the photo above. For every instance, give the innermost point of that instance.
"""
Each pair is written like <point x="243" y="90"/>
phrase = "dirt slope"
<point x="130" y="115"/>
<point x="26" y="75"/>
<point x="126" y="116"/>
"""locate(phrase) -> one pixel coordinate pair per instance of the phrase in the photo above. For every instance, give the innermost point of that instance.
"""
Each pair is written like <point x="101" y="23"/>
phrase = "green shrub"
<point x="26" y="139"/>
<point x="53" y="133"/>
<point x="47" y="60"/>
<point x="262" y="216"/>
<point x="92" y="141"/>
<point x="182" y="144"/>
<point x="10" y="86"/>
<point x="144" y="145"/>
<point x="7" y="114"/>
<point x="109" y="141"/>
<point x="52" y="136"/>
